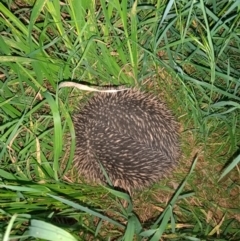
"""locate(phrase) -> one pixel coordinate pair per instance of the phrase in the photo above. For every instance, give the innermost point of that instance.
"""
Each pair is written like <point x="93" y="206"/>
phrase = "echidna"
<point x="131" y="133"/>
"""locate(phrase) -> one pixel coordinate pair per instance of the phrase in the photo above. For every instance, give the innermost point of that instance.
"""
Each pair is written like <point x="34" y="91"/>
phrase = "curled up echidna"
<point x="130" y="134"/>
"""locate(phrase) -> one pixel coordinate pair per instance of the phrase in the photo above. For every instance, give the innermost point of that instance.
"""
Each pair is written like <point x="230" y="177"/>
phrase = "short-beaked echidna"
<point x="131" y="133"/>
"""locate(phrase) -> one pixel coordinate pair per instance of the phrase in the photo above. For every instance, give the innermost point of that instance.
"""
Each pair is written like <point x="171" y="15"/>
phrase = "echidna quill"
<point x="131" y="133"/>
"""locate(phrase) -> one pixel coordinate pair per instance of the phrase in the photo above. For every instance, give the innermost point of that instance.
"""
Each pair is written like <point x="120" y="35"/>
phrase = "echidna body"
<point x="131" y="133"/>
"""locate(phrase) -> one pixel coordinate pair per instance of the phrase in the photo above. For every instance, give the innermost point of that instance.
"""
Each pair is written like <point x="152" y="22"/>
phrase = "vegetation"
<point x="185" y="51"/>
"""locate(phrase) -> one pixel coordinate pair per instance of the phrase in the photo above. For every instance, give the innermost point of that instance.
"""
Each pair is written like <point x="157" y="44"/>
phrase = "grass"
<point x="187" y="52"/>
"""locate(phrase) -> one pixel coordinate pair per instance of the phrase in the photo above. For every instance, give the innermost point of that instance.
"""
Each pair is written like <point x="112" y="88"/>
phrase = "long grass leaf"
<point x="44" y="230"/>
<point x="86" y="210"/>
<point x="57" y="132"/>
<point x="230" y="167"/>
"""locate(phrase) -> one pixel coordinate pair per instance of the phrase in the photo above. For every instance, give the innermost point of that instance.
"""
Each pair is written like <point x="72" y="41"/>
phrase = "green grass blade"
<point x="58" y="145"/>
<point x="47" y="231"/>
<point x="9" y="227"/>
<point x="230" y="167"/>
<point x="86" y="209"/>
